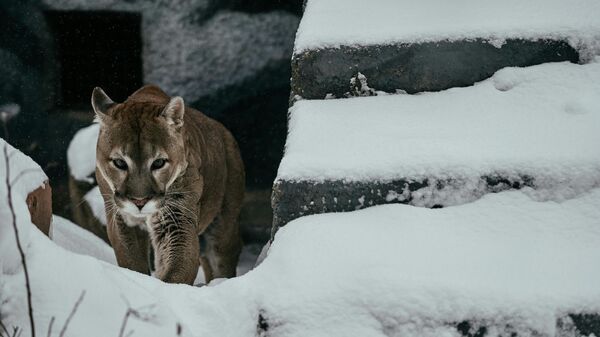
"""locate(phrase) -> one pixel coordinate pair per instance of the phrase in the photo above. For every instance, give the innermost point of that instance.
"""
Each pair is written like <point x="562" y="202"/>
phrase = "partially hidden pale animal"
<point x="172" y="179"/>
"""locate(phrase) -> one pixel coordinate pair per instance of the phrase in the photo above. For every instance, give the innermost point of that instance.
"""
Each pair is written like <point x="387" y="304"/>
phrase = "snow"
<point x="25" y="174"/>
<point x="81" y="154"/>
<point x="25" y="177"/>
<point x="78" y="240"/>
<point x="506" y="261"/>
<point x="540" y="121"/>
<point x="94" y="199"/>
<point x="334" y="23"/>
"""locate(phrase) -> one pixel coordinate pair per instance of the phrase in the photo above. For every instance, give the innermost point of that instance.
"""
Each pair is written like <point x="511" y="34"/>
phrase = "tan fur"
<point x="198" y="192"/>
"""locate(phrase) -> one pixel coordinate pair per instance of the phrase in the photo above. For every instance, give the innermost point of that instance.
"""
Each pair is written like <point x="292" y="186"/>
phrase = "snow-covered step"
<point x="433" y="45"/>
<point x="535" y="127"/>
<point x="507" y="263"/>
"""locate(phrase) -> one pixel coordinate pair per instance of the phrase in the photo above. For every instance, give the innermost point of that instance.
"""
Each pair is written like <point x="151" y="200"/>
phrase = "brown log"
<point x="39" y="203"/>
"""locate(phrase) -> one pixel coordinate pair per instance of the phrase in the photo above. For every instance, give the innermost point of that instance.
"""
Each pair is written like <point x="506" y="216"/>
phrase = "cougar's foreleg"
<point x="222" y="247"/>
<point x="129" y="243"/>
<point x="176" y="247"/>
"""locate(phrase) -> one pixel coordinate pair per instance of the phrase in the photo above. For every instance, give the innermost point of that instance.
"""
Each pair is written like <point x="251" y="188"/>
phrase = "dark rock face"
<point x="586" y="323"/>
<point x="26" y="53"/>
<point x="259" y="124"/>
<point x="569" y="325"/>
<point x="417" y="67"/>
<point x="293" y="199"/>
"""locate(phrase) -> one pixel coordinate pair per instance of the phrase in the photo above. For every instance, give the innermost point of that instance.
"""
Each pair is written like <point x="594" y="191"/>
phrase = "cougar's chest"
<point x="144" y="223"/>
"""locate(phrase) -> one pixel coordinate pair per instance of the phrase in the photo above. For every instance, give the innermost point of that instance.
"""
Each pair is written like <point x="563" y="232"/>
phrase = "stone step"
<point x="504" y="265"/>
<point x="432" y="46"/>
<point x="536" y="128"/>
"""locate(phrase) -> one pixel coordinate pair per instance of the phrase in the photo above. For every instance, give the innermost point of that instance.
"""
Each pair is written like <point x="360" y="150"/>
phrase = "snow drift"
<point x="506" y="261"/>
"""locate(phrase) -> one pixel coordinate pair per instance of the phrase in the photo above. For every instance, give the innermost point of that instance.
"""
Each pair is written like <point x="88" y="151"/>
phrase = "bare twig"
<point x="136" y="313"/>
<point x="19" y="247"/>
<point x="64" y="328"/>
<point x="50" y="326"/>
<point x="124" y="323"/>
<point x="3" y="329"/>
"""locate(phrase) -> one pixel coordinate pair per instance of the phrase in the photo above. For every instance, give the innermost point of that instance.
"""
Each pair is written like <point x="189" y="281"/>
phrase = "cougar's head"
<point x="140" y="151"/>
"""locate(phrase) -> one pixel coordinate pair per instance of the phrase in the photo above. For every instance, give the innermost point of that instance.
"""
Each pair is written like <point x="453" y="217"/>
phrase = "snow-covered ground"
<point x="506" y="261"/>
<point x="333" y="23"/>
<point x="78" y="240"/>
<point x="542" y="122"/>
<point x="75" y="239"/>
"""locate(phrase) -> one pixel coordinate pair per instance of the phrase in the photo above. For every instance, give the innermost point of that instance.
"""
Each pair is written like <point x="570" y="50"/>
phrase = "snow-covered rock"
<point x="81" y="153"/>
<point x="506" y="263"/>
<point x="381" y="22"/>
<point x="432" y="46"/>
<point x="536" y="126"/>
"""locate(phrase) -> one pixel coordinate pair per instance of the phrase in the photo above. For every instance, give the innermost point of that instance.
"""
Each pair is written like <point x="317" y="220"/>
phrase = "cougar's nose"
<point x="139" y="202"/>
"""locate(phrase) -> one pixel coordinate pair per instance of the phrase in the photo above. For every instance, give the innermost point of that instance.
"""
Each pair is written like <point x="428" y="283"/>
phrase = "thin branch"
<point x="124" y="323"/>
<point x="136" y="313"/>
<point x="50" y="326"/>
<point x="64" y="328"/>
<point x="3" y="329"/>
<point x="14" y="223"/>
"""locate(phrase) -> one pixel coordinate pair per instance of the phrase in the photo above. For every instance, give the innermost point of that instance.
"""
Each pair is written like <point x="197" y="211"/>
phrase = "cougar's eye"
<point x="120" y="164"/>
<point x="158" y="163"/>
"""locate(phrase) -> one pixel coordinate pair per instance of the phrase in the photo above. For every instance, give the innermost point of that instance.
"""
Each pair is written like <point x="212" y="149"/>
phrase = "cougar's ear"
<point x="101" y="103"/>
<point x="173" y="112"/>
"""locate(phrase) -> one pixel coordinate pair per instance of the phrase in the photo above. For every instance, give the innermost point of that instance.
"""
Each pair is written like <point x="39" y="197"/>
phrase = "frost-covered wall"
<point x="199" y="49"/>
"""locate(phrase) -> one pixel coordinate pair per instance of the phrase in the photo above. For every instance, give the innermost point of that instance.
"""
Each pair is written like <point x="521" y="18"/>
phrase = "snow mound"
<point x="540" y="122"/>
<point x="78" y="240"/>
<point x="409" y="270"/>
<point x="81" y="154"/>
<point x="25" y="176"/>
<point x="334" y="23"/>
<point x="507" y="262"/>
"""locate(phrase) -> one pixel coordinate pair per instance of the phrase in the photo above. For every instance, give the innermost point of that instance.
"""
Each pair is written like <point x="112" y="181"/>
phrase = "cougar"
<point x="171" y="178"/>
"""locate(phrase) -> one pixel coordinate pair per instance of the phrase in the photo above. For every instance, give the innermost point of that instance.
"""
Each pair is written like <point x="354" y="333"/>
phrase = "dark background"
<point x="54" y="52"/>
